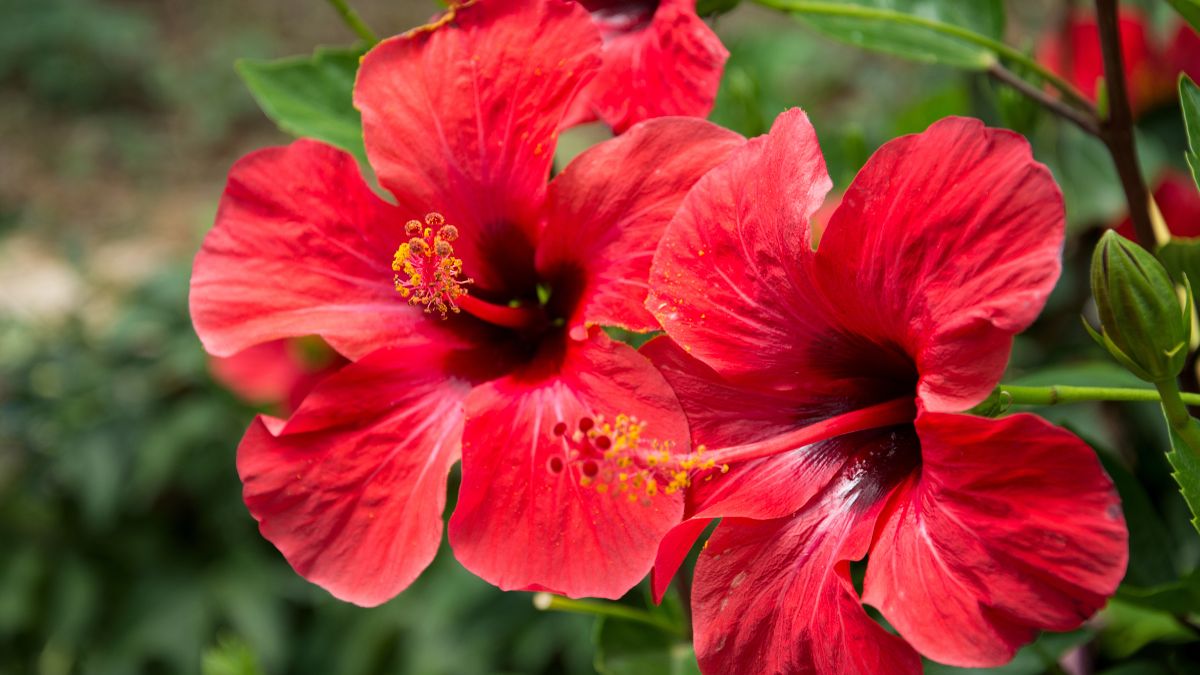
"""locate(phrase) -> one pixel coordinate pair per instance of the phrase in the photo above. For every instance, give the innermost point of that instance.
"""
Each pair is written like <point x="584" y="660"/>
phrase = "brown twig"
<point x="1117" y="129"/>
<point x="1084" y="119"/>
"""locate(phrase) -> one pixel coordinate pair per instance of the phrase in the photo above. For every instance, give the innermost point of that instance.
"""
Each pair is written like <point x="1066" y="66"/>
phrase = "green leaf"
<point x="230" y="656"/>
<point x="1150" y="542"/>
<point x="629" y="648"/>
<point x="1128" y="628"/>
<point x="1189" y="10"/>
<point x="887" y="30"/>
<point x="1189" y="99"/>
<point x="1187" y="474"/>
<point x="310" y="96"/>
<point x="1176" y="597"/>
<point x="1181" y="256"/>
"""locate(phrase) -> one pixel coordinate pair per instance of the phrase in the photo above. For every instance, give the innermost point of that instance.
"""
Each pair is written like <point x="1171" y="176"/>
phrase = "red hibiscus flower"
<point x="277" y="373"/>
<point x="659" y="58"/>
<point x="1179" y="203"/>
<point x="830" y="380"/>
<point x="1150" y="69"/>
<point x="472" y="329"/>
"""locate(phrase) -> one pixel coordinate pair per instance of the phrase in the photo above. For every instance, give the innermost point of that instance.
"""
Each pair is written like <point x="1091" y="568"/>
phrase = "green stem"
<point x="1174" y="405"/>
<point x="1057" y="394"/>
<point x="354" y="21"/>
<point x="557" y="603"/>
<point x="1014" y="55"/>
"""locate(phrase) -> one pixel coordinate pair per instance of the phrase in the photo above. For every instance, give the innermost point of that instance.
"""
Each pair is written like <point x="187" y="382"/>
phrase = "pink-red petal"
<point x="730" y="272"/>
<point x="301" y="246"/>
<point x="525" y="519"/>
<point x="659" y="59"/>
<point x="461" y="117"/>
<point x="775" y="596"/>
<point x="945" y="246"/>
<point x="608" y="210"/>
<point x="280" y="372"/>
<point x="352" y="487"/>
<point x="1010" y="527"/>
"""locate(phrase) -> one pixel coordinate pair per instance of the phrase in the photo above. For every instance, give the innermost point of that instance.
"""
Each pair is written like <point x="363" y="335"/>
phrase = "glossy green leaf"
<point x="1189" y="10"/>
<point x="1189" y="99"/>
<point x="885" y="30"/>
<point x="310" y="96"/>
<point x="1186" y="473"/>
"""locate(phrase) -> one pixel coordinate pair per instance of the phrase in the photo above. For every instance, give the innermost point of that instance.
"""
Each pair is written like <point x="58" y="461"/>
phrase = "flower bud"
<point x="1142" y="323"/>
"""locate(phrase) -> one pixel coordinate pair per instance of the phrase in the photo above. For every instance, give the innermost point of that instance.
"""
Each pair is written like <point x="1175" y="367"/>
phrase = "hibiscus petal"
<point x="351" y="489"/>
<point x="670" y="65"/>
<point x="775" y="596"/>
<point x="947" y="244"/>
<point x="1011" y="527"/>
<point x="301" y="246"/>
<point x="265" y="373"/>
<point x="720" y="414"/>
<point x="461" y="118"/>
<point x="727" y="274"/>
<point x="523" y="519"/>
<point x="609" y="207"/>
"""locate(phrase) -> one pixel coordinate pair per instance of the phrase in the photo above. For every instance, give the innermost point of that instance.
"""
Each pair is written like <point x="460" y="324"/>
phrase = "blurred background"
<point x="124" y="544"/>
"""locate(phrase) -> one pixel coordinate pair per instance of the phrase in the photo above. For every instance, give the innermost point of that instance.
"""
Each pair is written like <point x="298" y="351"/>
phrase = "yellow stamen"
<point x="427" y="272"/>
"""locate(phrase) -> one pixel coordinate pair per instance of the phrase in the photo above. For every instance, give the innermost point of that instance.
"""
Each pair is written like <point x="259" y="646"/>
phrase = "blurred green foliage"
<point x="127" y="549"/>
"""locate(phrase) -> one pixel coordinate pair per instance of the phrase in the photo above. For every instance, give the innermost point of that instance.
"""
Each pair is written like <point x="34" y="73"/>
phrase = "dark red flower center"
<point x="621" y="16"/>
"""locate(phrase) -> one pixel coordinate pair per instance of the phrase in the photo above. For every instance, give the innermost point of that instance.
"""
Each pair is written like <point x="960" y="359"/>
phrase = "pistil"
<point x="887" y="414"/>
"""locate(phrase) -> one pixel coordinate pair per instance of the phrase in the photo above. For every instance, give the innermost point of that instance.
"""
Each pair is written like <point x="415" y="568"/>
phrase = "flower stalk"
<point x="354" y="22"/>
<point x="1116" y="130"/>
<point x="1062" y="394"/>
<point x="1174" y="405"/>
<point x="548" y="602"/>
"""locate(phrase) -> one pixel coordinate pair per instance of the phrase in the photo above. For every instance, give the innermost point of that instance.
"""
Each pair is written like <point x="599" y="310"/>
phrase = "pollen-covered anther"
<point x="427" y="272"/>
<point x="616" y="458"/>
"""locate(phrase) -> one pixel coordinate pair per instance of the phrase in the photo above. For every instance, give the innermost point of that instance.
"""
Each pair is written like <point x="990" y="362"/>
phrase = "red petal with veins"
<point x="461" y="118"/>
<point x="301" y="246"/>
<point x="775" y="596"/>
<point x="725" y="279"/>
<point x="524" y="520"/>
<point x="351" y="489"/>
<point x="946" y="245"/>
<point x="609" y="207"/>
<point x="659" y="59"/>
<point x="1010" y="527"/>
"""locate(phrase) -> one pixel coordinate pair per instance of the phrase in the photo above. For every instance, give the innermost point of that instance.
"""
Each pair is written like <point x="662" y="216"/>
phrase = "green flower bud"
<point x="1142" y="323"/>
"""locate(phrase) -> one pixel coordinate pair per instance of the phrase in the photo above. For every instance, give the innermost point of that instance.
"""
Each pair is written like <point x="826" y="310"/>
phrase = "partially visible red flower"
<point x="277" y="373"/>
<point x="830" y="381"/>
<point x="1178" y="201"/>
<point x="506" y="365"/>
<point x="1073" y="51"/>
<point x="659" y="59"/>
